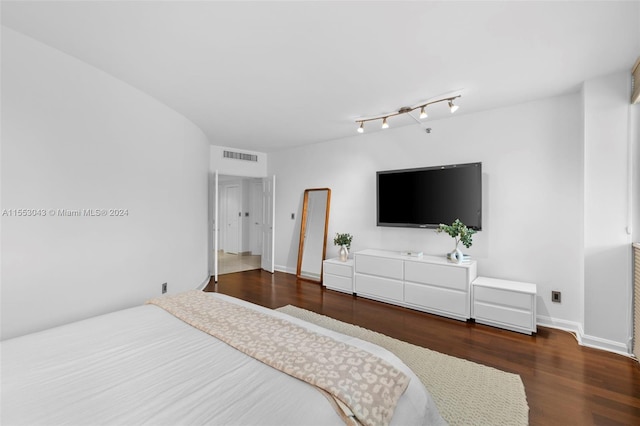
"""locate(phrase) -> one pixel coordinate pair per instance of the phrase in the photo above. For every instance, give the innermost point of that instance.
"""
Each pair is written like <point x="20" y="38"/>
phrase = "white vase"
<point x="343" y="253"/>
<point x="456" y="255"/>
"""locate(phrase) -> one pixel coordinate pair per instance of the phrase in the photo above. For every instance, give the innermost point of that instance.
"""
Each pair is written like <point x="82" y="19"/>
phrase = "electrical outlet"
<point x="164" y="288"/>
<point x="293" y="216"/>
<point x="556" y="296"/>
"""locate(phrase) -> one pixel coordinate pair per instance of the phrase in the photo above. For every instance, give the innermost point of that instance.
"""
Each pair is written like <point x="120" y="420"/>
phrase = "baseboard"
<point x="572" y="327"/>
<point x="204" y="283"/>
<point x="604" y="344"/>
<point x="285" y="269"/>
<point x="583" y="339"/>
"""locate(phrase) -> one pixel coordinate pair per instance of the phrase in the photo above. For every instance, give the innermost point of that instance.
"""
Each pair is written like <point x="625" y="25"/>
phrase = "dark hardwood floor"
<point x="566" y="384"/>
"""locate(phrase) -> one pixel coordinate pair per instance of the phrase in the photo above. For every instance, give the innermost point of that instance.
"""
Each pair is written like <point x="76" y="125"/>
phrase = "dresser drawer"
<point x="380" y="287"/>
<point x="343" y="270"/>
<point x="504" y="303"/>
<point x="337" y="282"/>
<point x="503" y="316"/>
<point x="380" y="266"/>
<point x="503" y="297"/>
<point x="437" y="299"/>
<point x="438" y="275"/>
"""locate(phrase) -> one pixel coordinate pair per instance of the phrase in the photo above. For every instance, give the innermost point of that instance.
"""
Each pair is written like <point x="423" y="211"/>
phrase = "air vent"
<point x="240" y="156"/>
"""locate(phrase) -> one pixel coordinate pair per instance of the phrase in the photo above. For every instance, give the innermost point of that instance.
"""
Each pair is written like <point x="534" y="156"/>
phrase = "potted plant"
<point x="344" y="241"/>
<point x="461" y="234"/>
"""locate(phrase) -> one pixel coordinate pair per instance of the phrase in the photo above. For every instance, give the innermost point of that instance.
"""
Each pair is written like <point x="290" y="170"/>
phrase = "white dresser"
<point x="427" y="283"/>
<point x="338" y="275"/>
<point x="505" y="304"/>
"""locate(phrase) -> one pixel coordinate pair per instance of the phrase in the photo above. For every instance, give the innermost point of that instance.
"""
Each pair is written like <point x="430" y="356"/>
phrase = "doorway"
<point x="240" y="201"/>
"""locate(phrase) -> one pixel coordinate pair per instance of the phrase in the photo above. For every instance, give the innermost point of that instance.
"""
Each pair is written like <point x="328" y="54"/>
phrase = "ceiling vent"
<point x="240" y="156"/>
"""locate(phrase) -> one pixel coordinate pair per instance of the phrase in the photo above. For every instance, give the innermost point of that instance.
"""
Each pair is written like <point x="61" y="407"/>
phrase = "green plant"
<point x="459" y="232"/>
<point x="343" y="240"/>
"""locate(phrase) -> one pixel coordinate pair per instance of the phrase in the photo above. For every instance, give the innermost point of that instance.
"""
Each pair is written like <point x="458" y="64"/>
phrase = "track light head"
<point x="361" y="128"/>
<point x="453" y="107"/>
<point x="423" y="112"/>
<point x="385" y="125"/>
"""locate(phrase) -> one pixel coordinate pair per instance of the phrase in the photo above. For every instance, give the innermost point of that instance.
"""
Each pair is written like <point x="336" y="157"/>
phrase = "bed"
<point x="144" y="365"/>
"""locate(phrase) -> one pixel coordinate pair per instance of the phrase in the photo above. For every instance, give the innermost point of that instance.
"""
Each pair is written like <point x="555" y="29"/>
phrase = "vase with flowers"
<point x="461" y="234"/>
<point x="344" y="241"/>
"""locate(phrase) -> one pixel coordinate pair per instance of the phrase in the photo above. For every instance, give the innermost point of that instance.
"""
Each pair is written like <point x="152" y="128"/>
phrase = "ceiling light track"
<point x="406" y="110"/>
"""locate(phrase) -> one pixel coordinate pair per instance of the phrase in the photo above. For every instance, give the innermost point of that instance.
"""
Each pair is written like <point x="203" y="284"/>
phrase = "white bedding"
<point x="144" y="366"/>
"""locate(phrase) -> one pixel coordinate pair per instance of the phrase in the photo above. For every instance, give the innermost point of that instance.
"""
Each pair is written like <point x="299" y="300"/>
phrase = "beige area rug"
<point x="465" y="392"/>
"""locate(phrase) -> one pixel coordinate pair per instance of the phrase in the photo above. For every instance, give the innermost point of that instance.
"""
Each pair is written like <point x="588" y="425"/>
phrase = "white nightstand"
<point x="505" y="304"/>
<point x="338" y="275"/>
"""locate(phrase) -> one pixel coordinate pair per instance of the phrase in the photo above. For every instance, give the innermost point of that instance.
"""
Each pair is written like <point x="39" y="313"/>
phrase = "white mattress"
<point x="144" y="366"/>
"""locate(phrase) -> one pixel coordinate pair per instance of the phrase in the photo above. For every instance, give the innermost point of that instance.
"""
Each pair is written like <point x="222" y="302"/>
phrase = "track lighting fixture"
<point x="404" y="110"/>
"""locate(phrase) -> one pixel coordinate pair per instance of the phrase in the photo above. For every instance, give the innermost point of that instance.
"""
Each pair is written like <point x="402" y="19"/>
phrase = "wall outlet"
<point x="164" y="288"/>
<point x="293" y="216"/>
<point x="556" y="296"/>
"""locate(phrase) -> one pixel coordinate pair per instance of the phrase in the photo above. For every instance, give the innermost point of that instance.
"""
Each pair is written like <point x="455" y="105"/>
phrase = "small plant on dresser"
<point x="344" y="241"/>
<point x="461" y="234"/>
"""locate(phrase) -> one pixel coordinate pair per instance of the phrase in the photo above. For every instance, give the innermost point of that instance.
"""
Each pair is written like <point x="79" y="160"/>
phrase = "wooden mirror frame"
<point x="303" y="229"/>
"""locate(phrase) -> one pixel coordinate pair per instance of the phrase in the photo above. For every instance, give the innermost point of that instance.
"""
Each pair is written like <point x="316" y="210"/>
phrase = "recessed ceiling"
<point x="268" y="76"/>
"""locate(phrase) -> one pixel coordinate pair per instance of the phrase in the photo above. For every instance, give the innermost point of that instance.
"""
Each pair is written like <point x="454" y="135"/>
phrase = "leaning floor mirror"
<point x="313" y="233"/>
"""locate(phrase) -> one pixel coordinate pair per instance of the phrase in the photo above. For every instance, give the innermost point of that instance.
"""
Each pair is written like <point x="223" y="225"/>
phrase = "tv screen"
<point x="429" y="196"/>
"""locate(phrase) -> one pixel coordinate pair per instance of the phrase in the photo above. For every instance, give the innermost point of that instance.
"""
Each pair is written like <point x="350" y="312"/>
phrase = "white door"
<point x="216" y="228"/>
<point x="268" y="223"/>
<point x="255" y="233"/>
<point x="233" y="218"/>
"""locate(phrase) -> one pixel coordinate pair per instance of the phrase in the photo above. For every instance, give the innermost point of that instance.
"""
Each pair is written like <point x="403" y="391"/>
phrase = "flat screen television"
<point x="428" y="196"/>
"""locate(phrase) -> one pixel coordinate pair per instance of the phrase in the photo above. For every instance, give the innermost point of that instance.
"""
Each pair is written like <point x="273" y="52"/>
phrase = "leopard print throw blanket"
<point x="369" y="386"/>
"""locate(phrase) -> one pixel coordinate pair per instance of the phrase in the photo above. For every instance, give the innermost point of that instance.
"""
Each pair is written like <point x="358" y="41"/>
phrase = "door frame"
<point x="214" y="229"/>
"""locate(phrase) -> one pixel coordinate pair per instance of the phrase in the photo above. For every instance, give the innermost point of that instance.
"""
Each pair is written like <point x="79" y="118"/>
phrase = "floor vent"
<point x="240" y="156"/>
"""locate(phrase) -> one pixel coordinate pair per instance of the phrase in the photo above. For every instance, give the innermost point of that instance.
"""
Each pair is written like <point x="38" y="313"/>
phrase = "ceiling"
<point x="267" y="76"/>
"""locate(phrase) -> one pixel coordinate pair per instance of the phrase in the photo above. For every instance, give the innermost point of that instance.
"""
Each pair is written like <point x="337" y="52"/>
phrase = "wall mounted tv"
<point x="429" y="196"/>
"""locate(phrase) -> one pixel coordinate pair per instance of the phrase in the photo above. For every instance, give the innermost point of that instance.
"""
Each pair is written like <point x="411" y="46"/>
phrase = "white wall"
<point x="73" y="137"/>
<point x="607" y="243"/>
<point x="532" y="195"/>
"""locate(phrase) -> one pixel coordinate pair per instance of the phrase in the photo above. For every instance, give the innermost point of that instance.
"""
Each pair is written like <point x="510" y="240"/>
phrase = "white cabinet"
<point x="338" y="275"/>
<point x="427" y="283"/>
<point x="435" y="285"/>
<point x="505" y="304"/>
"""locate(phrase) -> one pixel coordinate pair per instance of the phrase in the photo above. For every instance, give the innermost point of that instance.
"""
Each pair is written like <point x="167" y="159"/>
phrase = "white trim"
<point x="607" y="345"/>
<point x="204" y="283"/>
<point x="285" y="269"/>
<point x="576" y="329"/>
<point x="572" y="327"/>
